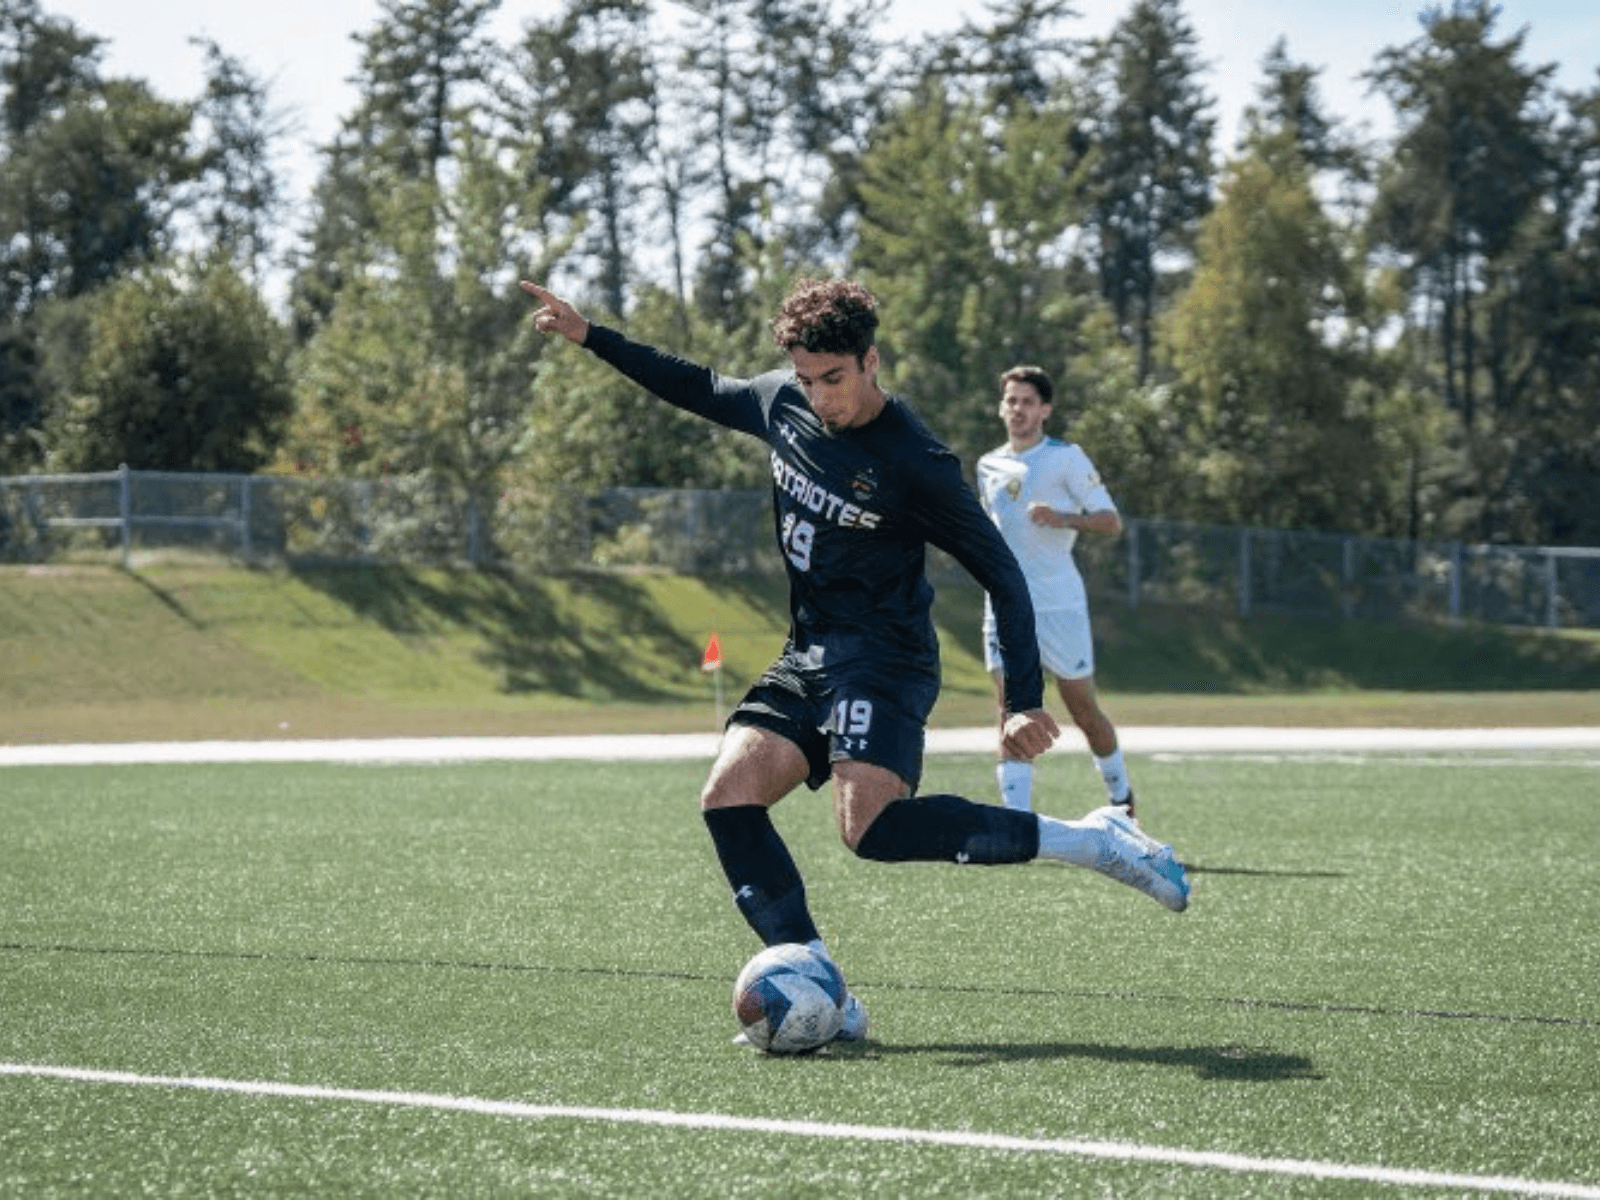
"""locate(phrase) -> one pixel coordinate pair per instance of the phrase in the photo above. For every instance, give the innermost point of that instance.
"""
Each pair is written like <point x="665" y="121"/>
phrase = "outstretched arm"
<point x="686" y="385"/>
<point x="557" y="316"/>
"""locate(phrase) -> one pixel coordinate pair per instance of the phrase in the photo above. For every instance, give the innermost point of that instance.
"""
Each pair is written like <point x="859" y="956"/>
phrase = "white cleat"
<point x="1135" y="858"/>
<point x="855" y="1020"/>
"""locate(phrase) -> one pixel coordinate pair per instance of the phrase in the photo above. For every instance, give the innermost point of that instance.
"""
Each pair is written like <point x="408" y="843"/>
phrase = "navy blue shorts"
<point x="871" y="713"/>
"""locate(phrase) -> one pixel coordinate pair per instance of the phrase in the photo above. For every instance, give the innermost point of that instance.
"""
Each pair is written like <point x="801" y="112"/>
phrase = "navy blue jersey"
<point x="854" y="513"/>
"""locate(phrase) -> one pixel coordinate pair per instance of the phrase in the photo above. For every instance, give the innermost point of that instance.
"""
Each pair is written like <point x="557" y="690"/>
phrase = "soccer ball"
<point x="789" y="999"/>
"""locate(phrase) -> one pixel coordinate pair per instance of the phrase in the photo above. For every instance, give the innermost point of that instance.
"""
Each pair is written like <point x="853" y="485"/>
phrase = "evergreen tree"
<point x="1469" y="168"/>
<point x="1463" y="206"/>
<point x="587" y="80"/>
<point x="1151" y="181"/>
<point x="786" y="95"/>
<point x="1553" y="486"/>
<point x="420" y="374"/>
<point x="241" y="197"/>
<point x="962" y="240"/>
<point x="1011" y="60"/>
<point x="1289" y="101"/>
<point x="424" y="64"/>
<point x="1264" y="370"/>
<point x="44" y="62"/>
<point x="419" y="64"/>
<point x="21" y="402"/>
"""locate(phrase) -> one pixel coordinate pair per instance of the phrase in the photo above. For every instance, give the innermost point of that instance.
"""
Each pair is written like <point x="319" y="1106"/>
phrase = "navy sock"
<point x="943" y="828"/>
<point x="766" y="883"/>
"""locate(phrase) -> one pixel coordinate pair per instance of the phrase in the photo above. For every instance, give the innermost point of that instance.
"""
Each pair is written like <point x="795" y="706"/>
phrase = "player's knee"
<point x="852" y="828"/>
<point x="862" y="793"/>
<point x="716" y="794"/>
<point x="859" y="843"/>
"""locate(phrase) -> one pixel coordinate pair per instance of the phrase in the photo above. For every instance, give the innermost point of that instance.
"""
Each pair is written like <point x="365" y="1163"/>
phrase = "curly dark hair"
<point x="1031" y="375"/>
<point x="827" y="316"/>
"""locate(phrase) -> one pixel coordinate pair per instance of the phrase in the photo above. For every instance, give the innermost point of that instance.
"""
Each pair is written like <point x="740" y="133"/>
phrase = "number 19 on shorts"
<point x="852" y="721"/>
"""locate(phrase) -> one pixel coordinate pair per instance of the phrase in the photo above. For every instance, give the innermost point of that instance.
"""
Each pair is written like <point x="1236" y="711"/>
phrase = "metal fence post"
<point x="1133" y="562"/>
<point x="1457" y="567"/>
<point x="1244" y="571"/>
<point x="1347" y="577"/>
<point x="244" y="517"/>
<point x="1552" y="599"/>
<point x="125" y="511"/>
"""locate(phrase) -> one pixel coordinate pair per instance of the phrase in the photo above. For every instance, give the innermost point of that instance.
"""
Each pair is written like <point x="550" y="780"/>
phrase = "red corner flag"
<point x="712" y="661"/>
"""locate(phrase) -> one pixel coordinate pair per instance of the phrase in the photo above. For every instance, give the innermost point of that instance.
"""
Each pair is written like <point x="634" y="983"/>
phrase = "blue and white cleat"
<point x="855" y="1020"/>
<point x="1133" y="857"/>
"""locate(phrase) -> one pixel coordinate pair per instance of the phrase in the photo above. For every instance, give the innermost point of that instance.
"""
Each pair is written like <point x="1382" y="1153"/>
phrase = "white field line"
<point x="1118" y="1151"/>
<point x="1524" y="760"/>
<point x="1148" y="739"/>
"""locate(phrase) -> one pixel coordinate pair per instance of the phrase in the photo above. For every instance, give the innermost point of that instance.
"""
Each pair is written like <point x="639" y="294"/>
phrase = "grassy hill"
<point x="191" y="649"/>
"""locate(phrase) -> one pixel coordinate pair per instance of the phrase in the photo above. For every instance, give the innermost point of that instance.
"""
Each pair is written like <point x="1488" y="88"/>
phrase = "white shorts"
<point x="1066" y="646"/>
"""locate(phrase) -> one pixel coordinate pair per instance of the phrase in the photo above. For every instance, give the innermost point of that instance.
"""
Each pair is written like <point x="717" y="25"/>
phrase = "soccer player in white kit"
<point x="1042" y="493"/>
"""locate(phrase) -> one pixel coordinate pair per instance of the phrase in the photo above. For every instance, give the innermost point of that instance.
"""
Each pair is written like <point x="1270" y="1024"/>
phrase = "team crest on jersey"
<point x="1013" y="488"/>
<point x="864" y="485"/>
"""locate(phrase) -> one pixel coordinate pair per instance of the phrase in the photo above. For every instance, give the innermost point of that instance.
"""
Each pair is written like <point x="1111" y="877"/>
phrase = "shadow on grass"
<point x="171" y="602"/>
<point x="530" y="639"/>
<point x="1167" y="648"/>
<point x="1210" y="652"/>
<point x="1261" y="872"/>
<point x="607" y="637"/>
<point x="1238" y="1063"/>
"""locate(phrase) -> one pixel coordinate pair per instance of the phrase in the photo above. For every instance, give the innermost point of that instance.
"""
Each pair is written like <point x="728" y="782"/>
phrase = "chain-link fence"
<point x="420" y="520"/>
<point x="1250" y="570"/>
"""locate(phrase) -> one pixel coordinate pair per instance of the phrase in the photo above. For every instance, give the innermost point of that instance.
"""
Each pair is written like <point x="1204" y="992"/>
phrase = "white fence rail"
<point x="420" y="520"/>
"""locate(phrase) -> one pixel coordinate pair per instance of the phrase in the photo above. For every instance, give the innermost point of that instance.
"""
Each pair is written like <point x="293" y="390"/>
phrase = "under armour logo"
<point x="745" y="893"/>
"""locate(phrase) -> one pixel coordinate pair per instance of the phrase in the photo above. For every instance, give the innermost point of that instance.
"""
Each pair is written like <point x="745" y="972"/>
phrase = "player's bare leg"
<point x="1083" y="706"/>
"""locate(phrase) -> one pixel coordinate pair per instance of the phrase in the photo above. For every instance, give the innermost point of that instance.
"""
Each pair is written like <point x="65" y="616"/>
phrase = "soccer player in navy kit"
<point x="860" y="489"/>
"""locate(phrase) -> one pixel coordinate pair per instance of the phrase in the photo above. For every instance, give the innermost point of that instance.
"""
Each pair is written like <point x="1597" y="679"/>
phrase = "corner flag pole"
<point x="712" y="661"/>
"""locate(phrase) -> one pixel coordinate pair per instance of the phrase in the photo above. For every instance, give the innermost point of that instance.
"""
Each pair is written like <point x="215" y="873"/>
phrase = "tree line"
<point x="1308" y="329"/>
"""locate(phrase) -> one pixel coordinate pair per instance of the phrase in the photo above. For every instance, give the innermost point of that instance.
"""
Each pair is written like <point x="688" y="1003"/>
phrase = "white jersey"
<point x="1051" y="472"/>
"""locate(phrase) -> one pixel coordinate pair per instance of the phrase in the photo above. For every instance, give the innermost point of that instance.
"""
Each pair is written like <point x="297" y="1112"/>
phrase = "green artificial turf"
<point x="1391" y="961"/>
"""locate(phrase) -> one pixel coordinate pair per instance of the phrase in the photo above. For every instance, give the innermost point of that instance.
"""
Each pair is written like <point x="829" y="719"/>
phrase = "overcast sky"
<point x="304" y="47"/>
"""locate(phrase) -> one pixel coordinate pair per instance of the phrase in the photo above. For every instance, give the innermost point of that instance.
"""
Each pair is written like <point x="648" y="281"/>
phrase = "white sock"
<point x="1115" y="773"/>
<point x="1071" y="842"/>
<point x="1016" y="783"/>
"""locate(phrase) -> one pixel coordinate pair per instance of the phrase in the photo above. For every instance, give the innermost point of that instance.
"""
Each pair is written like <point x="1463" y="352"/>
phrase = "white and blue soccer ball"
<point x="789" y="999"/>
